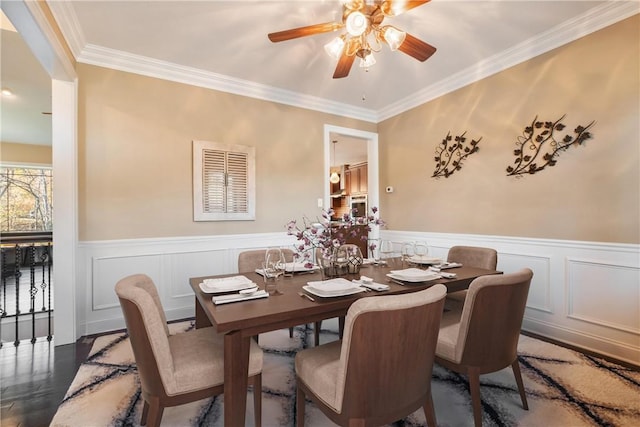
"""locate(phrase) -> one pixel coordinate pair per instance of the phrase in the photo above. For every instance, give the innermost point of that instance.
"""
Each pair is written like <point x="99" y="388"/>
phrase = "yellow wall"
<point x="25" y="153"/>
<point x="592" y="194"/>
<point x="135" y="154"/>
<point x="135" y="133"/>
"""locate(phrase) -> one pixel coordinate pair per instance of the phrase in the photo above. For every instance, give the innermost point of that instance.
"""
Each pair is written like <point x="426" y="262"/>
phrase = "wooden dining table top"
<point x="288" y="308"/>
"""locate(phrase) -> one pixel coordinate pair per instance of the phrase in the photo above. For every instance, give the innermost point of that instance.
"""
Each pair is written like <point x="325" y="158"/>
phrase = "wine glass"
<point x="273" y="269"/>
<point x="421" y="249"/>
<point x="408" y="251"/>
<point x="386" y="249"/>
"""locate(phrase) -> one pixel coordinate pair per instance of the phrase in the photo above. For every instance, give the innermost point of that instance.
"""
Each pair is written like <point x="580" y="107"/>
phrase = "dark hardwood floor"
<point x="34" y="379"/>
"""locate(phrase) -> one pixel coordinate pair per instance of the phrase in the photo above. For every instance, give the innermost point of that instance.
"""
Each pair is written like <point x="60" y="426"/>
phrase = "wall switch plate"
<point x="319" y="203"/>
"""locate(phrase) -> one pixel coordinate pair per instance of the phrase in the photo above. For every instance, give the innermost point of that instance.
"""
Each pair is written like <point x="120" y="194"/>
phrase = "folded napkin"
<point x="224" y="299"/>
<point x="332" y="285"/>
<point x="446" y="265"/>
<point x="371" y="285"/>
<point x="442" y="273"/>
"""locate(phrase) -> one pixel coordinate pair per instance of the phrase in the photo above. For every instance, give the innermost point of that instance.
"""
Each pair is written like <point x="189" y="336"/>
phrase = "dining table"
<point x="288" y="307"/>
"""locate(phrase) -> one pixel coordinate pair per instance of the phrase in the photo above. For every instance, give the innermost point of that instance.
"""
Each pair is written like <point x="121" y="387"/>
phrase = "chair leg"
<point x="316" y="333"/>
<point x="474" y="388"/>
<point x="340" y="326"/>
<point x="154" y="412"/>
<point x="430" y="412"/>
<point x="299" y="407"/>
<point x="145" y="412"/>
<point x="290" y="332"/>
<point x="257" y="399"/>
<point x="516" y="373"/>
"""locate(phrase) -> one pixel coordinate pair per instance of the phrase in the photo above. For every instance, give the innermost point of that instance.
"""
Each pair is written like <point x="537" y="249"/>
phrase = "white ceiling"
<point x="223" y="45"/>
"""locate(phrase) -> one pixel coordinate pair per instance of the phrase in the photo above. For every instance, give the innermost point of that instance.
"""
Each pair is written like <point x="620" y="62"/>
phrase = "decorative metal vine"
<point x="449" y="156"/>
<point x="540" y="138"/>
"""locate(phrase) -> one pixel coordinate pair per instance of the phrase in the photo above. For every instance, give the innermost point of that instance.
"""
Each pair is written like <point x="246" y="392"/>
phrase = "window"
<point x="223" y="182"/>
<point x="25" y="199"/>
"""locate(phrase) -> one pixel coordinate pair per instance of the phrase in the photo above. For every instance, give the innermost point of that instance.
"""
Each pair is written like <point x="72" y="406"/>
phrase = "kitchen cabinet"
<point x="357" y="177"/>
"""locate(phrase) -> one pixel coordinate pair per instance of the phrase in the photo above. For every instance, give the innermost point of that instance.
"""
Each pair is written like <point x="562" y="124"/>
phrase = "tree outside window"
<point x="25" y="199"/>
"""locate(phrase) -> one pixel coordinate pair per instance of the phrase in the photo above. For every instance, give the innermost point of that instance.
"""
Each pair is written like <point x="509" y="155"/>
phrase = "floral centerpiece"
<point x="326" y="237"/>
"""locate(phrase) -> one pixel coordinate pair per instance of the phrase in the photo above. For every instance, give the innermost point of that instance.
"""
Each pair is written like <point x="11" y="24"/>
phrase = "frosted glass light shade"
<point x="334" y="178"/>
<point x="394" y="37"/>
<point x="367" y="61"/>
<point x="335" y="47"/>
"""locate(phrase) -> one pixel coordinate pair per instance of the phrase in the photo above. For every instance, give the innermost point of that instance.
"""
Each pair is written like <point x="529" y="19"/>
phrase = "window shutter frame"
<point x="223" y="182"/>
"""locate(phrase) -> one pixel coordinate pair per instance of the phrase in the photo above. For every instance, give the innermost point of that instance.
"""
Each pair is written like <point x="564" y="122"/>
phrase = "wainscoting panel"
<point x="586" y="294"/>
<point x="108" y="270"/>
<point x="540" y="289"/>
<point x="604" y="294"/>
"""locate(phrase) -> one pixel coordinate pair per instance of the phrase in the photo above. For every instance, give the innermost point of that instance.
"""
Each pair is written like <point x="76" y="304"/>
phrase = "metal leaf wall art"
<point x="451" y="152"/>
<point x="539" y="145"/>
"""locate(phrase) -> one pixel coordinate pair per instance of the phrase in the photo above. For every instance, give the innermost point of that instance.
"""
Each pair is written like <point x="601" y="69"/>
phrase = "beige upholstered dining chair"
<point x="381" y="370"/>
<point x="483" y="338"/>
<point x="470" y="256"/>
<point x="180" y="368"/>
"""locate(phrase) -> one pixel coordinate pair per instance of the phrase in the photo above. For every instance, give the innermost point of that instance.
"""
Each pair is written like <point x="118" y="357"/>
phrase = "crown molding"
<point x="123" y="61"/>
<point x="593" y="20"/>
<point x="67" y="20"/>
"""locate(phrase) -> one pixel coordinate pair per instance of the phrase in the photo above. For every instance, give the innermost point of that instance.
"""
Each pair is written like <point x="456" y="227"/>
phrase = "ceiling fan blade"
<point x="396" y="7"/>
<point x="344" y="66"/>
<point x="309" y="30"/>
<point x="417" y="48"/>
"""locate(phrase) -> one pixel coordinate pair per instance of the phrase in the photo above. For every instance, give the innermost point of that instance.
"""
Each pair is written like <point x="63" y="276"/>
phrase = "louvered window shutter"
<point x="223" y="182"/>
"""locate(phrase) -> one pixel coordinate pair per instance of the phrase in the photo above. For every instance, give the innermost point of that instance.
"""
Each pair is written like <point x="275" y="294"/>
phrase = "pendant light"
<point x="334" y="178"/>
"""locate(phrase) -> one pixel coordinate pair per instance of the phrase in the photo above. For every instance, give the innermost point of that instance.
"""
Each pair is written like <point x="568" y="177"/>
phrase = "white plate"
<point x="298" y="267"/>
<point x="228" y="284"/>
<point x="324" y="294"/>
<point x="415" y="279"/>
<point x="424" y="260"/>
<point x="332" y="286"/>
<point x="413" y="272"/>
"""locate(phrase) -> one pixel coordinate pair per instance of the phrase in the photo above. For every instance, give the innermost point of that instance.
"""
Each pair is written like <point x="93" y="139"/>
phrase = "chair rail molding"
<point x="585" y="294"/>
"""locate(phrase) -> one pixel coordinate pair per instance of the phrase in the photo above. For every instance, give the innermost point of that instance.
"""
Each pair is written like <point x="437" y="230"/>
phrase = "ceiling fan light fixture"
<point x="366" y="59"/>
<point x="393" y="8"/>
<point x="393" y="36"/>
<point x="356" y="23"/>
<point x="352" y="4"/>
<point x="335" y="47"/>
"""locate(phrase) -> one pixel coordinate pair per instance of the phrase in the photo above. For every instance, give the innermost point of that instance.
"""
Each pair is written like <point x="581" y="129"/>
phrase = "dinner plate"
<point x="415" y="279"/>
<point x="413" y="273"/>
<point x="226" y="284"/>
<point x="299" y="267"/>
<point x="416" y="259"/>
<point x="332" y="286"/>
<point x="325" y="294"/>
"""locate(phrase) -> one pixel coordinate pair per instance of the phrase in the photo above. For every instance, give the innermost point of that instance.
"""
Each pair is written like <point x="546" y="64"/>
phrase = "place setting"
<point x="232" y="289"/>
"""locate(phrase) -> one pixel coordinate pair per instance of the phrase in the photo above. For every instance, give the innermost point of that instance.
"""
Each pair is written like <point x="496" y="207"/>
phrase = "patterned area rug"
<point x="564" y="388"/>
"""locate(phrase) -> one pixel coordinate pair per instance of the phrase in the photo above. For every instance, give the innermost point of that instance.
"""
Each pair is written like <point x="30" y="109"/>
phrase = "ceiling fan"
<point x="365" y="33"/>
